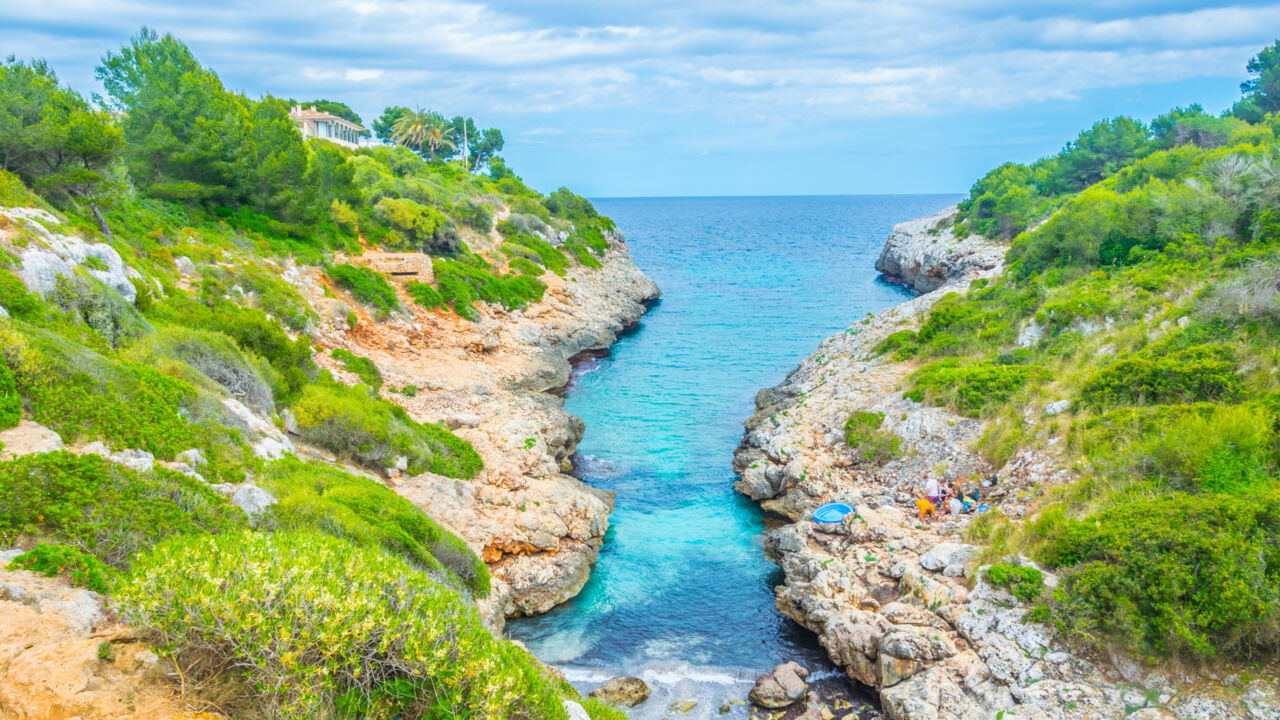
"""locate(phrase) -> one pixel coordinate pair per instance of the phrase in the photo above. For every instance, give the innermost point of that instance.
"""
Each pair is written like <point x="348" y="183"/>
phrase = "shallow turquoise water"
<point x="681" y="594"/>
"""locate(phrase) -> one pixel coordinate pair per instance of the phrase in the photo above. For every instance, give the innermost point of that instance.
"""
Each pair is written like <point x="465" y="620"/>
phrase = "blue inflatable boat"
<point x="831" y="513"/>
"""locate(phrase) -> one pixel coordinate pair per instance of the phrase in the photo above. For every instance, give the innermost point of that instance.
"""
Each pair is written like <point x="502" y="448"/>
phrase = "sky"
<point x="706" y="97"/>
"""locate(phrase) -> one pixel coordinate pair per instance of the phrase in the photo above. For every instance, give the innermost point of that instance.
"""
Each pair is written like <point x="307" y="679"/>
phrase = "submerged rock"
<point x="622" y="692"/>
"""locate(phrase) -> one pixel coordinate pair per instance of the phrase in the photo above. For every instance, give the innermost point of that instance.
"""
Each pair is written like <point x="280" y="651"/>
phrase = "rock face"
<point x="781" y="687"/>
<point x="494" y="383"/>
<point x="925" y="254"/>
<point x="58" y="254"/>
<point x="61" y="658"/>
<point x="899" y="604"/>
<point x="622" y="692"/>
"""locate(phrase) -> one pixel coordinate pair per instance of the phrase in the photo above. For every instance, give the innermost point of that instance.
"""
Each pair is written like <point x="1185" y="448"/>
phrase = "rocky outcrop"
<point x="53" y="255"/>
<point x="925" y="253"/>
<point x="494" y="383"/>
<point x="622" y="692"/>
<point x="62" y="657"/>
<point x="784" y="686"/>
<point x="899" y="603"/>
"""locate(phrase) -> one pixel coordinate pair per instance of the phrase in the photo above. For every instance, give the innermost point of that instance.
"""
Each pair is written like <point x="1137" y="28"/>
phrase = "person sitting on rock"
<point x="955" y="502"/>
<point x="926" y="508"/>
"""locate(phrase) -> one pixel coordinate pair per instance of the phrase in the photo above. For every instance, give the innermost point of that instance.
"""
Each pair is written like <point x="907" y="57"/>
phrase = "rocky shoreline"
<point x="496" y="383"/>
<point x="901" y="606"/>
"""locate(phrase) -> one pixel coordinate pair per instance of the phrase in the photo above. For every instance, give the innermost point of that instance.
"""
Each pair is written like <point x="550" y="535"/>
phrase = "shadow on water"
<point x="681" y="595"/>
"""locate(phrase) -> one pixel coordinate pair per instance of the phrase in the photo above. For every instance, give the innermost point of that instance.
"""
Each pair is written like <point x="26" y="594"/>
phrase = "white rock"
<point x="252" y="499"/>
<point x="945" y="554"/>
<point x="1056" y="407"/>
<point x="576" y="711"/>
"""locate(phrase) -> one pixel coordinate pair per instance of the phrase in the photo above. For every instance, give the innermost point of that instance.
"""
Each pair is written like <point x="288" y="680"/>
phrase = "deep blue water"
<point x="681" y="594"/>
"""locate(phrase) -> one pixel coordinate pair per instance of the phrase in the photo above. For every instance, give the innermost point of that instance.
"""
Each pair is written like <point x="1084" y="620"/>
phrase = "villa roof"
<point x="311" y="113"/>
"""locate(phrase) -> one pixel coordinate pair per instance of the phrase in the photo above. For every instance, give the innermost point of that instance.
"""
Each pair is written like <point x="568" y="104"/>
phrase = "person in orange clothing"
<point x="926" y="508"/>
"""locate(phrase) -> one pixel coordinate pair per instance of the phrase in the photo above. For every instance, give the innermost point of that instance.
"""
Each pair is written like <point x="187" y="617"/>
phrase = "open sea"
<point x="682" y="595"/>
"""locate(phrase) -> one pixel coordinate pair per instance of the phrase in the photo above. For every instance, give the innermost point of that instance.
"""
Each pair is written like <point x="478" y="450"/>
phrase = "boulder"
<point x="622" y="692"/>
<point x="903" y="653"/>
<point x="945" y="554"/>
<point x="1057" y="407"/>
<point x="780" y="688"/>
<point x="252" y="499"/>
<point x="575" y="711"/>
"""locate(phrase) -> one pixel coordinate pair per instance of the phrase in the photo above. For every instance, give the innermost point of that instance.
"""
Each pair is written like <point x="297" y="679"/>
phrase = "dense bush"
<point x="207" y="354"/>
<point x="1157" y="375"/>
<point x="968" y="388"/>
<point x="366" y="285"/>
<point x="78" y="566"/>
<point x="100" y="307"/>
<point x="10" y="400"/>
<point x="321" y="628"/>
<point x="425" y="295"/>
<point x="105" y="508"/>
<point x="78" y="392"/>
<point x="362" y="367"/>
<point x="901" y="344"/>
<point x="867" y="441"/>
<point x="461" y="284"/>
<point x="1024" y="583"/>
<point x="356" y="423"/>
<point x="417" y="227"/>
<point x="1182" y="575"/>
<point x="16" y="300"/>
<point x="322" y="497"/>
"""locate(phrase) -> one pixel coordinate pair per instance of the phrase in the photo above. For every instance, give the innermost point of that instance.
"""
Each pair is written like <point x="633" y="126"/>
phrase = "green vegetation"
<point x="865" y="438"/>
<point x="368" y="514"/>
<point x="322" y="628"/>
<point x="10" y="400"/>
<point x="462" y="283"/>
<point x="1141" y="289"/>
<point x="1024" y="583"/>
<point x="366" y="285"/>
<point x="354" y="422"/>
<point x="75" y="564"/>
<point x="363" y="367"/>
<point x="106" y="509"/>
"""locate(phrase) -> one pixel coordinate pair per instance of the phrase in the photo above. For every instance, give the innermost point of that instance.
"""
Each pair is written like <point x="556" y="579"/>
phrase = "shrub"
<point x="100" y="307"/>
<point x="474" y="214"/>
<point x="535" y="249"/>
<point x="321" y="628"/>
<point x="322" y="497"/>
<point x="969" y="388"/>
<point x="362" y="367"/>
<point x="1024" y="583"/>
<point x="461" y="284"/>
<point x="212" y="355"/>
<point x="863" y="434"/>
<point x="1156" y="376"/>
<point x="15" y="298"/>
<point x="78" y="393"/>
<point x="78" y="566"/>
<point x="1181" y="575"/>
<point x="902" y="344"/>
<point x="10" y="400"/>
<point x="425" y="295"/>
<point x="423" y="228"/>
<point x="356" y="423"/>
<point x="366" y="285"/>
<point x="105" y="508"/>
<point x="526" y="267"/>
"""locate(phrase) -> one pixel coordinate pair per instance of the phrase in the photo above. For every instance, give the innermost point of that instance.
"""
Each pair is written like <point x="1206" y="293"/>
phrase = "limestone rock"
<point x="622" y="692"/>
<point x="28" y="438"/>
<point x="946" y="554"/>
<point x="1057" y="407"/>
<point x="781" y="687"/>
<point x="924" y="253"/>
<point x="253" y="500"/>
<point x="575" y="711"/>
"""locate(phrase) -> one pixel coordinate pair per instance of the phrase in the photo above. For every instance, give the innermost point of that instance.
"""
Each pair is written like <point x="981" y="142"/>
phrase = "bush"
<point x="969" y="388"/>
<point x="362" y="367"/>
<point x="863" y="434"/>
<point x="322" y="497"/>
<point x="100" y="307"/>
<point x="367" y="286"/>
<point x="474" y="214"/>
<point x="75" y="564"/>
<point x="1196" y="576"/>
<point x="1157" y="376"/>
<point x="105" y="508"/>
<point x="425" y="295"/>
<point x="211" y="355"/>
<point x="1024" y="583"/>
<point x="356" y="423"/>
<point x="80" y="393"/>
<point x="461" y="283"/>
<point x="10" y="400"/>
<point x="902" y="344"/>
<point x="16" y="300"/>
<point x="526" y="267"/>
<point x="321" y="628"/>
<point x="423" y="228"/>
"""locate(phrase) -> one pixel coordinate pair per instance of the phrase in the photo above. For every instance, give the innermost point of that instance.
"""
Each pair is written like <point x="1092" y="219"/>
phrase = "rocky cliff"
<point x="902" y="606"/>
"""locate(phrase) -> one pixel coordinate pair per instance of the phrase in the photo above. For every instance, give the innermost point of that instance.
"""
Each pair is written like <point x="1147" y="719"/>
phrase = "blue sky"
<point x="712" y="97"/>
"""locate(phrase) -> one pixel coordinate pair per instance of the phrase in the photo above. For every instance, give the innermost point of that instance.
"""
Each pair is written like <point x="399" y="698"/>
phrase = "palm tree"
<point x="422" y="129"/>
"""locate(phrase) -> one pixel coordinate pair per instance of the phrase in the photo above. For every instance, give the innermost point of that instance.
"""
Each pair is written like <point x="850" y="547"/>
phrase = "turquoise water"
<point x="681" y="594"/>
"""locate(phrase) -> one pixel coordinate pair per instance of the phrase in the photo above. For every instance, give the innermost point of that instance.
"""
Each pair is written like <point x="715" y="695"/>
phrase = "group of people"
<point x="945" y="498"/>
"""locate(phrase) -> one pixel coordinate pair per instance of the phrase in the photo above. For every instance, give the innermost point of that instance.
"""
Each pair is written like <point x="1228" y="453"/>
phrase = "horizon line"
<point x="748" y="197"/>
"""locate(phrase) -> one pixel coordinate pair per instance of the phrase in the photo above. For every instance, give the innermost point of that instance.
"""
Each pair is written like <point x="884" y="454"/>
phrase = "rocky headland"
<point x="904" y="606"/>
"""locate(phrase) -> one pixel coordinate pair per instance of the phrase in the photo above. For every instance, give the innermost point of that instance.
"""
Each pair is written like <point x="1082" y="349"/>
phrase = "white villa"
<point x="314" y="123"/>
